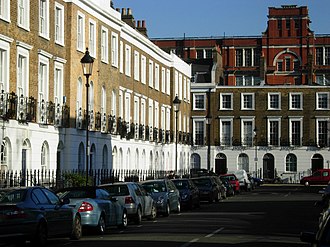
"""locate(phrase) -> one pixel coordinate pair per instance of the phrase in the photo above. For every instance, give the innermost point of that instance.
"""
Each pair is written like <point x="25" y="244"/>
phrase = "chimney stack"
<point x="141" y="27"/>
<point x="127" y="17"/>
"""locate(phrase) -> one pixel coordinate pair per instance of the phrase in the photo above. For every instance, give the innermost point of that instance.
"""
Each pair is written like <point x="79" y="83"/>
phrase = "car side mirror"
<point x="65" y="201"/>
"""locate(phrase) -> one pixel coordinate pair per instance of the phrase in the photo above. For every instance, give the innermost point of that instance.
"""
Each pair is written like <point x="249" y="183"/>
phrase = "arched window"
<point x="195" y="161"/>
<point x="105" y="157"/>
<point x="44" y="156"/>
<point x="243" y="162"/>
<point x="3" y="154"/>
<point x="291" y="163"/>
<point x="81" y="157"/>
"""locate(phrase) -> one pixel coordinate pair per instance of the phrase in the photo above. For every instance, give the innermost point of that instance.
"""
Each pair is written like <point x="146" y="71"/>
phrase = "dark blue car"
<point x="189" y="192"/>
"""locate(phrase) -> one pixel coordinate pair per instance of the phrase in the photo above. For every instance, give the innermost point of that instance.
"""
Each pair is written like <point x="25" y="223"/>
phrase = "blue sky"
<point x="205" y="18"/>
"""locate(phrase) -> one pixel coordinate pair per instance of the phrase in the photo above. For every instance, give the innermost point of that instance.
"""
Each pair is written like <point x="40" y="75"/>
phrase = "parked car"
<point x="229" y="187"/>
<point x="223" y="189"/>
<point x="321" y="176"/>
<point x="95" y="206"/>
<point x="35" y="214"/>
<point x="209" y="190"/>
<point x="165" y="194"/>
<point x="243" y="179"/>
<point x="135" y="199"/>
<point x="233" y="180"/>
<point x="189" y="192"/>
<point x="321" y="237"/>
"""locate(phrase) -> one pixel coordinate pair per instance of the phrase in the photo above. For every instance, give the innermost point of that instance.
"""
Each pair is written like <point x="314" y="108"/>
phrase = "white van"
<point x="243" y="179"/>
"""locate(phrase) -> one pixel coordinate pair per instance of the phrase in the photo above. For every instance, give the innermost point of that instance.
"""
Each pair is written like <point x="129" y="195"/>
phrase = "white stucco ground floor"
<point x="30" y="146"/>
<point x="288" y="163"/>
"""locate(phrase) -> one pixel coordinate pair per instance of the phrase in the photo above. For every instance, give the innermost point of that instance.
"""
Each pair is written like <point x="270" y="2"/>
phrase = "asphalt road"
<point x="270" y="216"/>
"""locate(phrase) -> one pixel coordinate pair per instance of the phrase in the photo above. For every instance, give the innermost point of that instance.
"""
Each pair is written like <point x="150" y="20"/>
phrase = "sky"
<point x="206" y="18"/>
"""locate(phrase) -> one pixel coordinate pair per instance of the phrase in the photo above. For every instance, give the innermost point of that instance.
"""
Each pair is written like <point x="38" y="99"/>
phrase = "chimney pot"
<point x="143" y="23"/>
<point x="123" y="11"/>
<point x="129" y="11"/>
<point x="138" y="23"/>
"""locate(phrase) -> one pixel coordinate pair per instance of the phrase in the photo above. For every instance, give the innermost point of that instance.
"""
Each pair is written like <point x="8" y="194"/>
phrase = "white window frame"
<point x="143" y="69"/>
<point x="136" y="66"/>
<point x="23" y="52"/>
<point x="231" y="101"/>
<point x="180" y="86"/>
<point x="318" y="98"/>
<point x="4" y="63"/>
<point x="127" y="109"/>
<point x="59" y="24"/>
<point x="5" y="10"/>
<point x="150" y="113"/>
<point x="121" y="57"/>
<point x="79" y="94"/>
<point x="203" y="122"/>
<point x="321" y="119"/>
<point x="275" y="119"/>
<point x="92" y="38"/>
<point x="243" y="135"/>
<point x="80" y="32"/>
<point x="114" y="49"/>
<point x="113" y="103"/>
<point x="269" y="101"/>
<point x="157" y="76"/>
<point x="195" y="108"/>
<point x="151" y="73"/>
<point x="104" y="45"/>
<point x="58" y="83"/>
<point x="168" y="82"/>
<point x="291" y="102"/>
<point x="156" y="115"/>
<point x="128" y="55"/>
<point x="103" y="101"/>
<point x="221" y="121"/>
<point x="136" y="110"/>
<point x="23" y="14"/>
<point x="44" y="19"/>
<point x="242" y="101"/>
<point x="163" y="86"/>
<point x="296" y="119"/>
<point x="43" y="78"/>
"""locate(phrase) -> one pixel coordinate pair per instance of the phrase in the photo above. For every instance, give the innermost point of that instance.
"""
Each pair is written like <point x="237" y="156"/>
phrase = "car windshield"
<point x="181" y="184"/>
<point x="117" y="190"/>
<point x="230" y="178"/>
<point x="203" y="182"/>
<point x="154" y="187"/>
<point x="13" y="196"/>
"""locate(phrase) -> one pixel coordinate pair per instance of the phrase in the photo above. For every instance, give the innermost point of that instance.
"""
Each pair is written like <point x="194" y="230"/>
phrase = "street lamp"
<point x="87" y="67"/>
<point x="208" y="119"/>
<point x="176" y="104"/>
<point x="255" y="151"/>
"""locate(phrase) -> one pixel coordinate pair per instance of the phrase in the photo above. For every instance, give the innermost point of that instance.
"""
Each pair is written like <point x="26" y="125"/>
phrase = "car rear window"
<point x="181" y="184"/>
<point x="117" y="190"/>
<point x="13" y="196"/>
<point x="154" y="187"/>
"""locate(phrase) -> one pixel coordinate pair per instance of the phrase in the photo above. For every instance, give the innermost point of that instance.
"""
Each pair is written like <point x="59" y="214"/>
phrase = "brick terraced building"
<point x="268" y="98"/>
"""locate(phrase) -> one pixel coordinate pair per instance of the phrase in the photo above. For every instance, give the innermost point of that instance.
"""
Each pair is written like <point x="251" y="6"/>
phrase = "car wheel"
<point x="138" y="217"/>
<point x="40" y="238"/>
<point x="167" y="209"/>
<point x="124" y="221"/>
<point x="76" y="228"/>
<point x="153" y="213"/>
<point x="101" y="225"/>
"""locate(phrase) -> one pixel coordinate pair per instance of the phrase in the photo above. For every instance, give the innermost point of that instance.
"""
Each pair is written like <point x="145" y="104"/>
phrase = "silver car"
<point x="165" y="194"/>
<point x="135" y="199"/>
<point x="95" y="206"/>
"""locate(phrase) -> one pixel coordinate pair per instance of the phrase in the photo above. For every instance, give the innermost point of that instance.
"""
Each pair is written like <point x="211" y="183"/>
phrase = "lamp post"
<point x="87" y="67"/>
<point x="208" y="124"/>
<point x="176" y="104"/>
<point x="255" y="151"/>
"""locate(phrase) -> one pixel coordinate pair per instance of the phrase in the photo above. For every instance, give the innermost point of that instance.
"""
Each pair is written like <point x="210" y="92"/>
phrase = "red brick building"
<point x="269" y="97"/>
